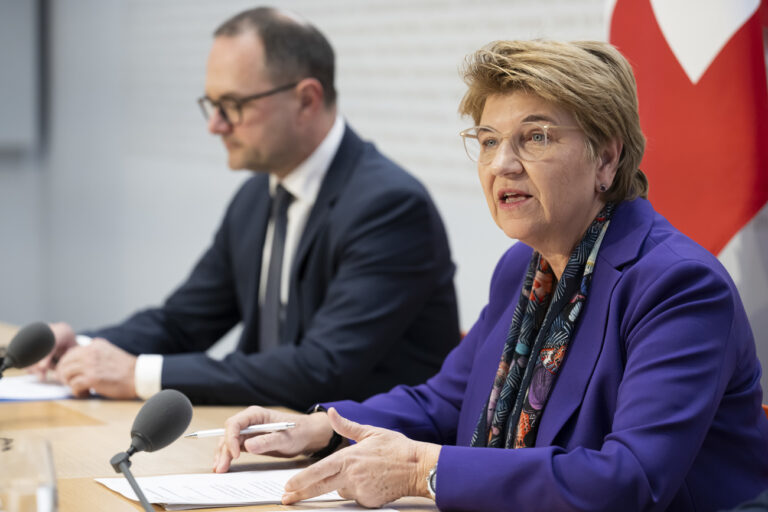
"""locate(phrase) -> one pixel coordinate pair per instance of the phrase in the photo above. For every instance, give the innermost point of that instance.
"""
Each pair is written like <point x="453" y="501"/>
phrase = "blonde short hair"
<point x="589" y="79"/>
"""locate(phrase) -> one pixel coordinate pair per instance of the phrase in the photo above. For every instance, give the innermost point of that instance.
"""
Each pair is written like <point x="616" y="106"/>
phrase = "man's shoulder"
<point x="366" y="188"/>
<point x="374" y="174"/>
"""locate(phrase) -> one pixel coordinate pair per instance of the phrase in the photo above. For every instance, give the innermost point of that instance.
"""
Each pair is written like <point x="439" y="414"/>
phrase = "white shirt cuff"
<point x="149" y="370"/>
<point x="82" y="340"/>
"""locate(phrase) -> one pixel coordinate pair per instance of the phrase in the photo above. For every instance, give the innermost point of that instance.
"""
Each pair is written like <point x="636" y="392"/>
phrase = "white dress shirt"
<point x="304" y="184"/>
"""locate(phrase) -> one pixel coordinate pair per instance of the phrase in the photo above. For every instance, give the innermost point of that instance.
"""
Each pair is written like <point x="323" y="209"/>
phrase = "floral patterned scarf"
<point x="537" y="343"/>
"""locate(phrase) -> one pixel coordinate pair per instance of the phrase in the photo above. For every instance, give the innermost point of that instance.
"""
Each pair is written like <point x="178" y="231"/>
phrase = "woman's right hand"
<point x="312" y="433"/>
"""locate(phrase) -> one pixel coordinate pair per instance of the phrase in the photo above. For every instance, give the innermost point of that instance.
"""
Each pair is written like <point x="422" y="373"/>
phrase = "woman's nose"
<point x="506" y="161"/>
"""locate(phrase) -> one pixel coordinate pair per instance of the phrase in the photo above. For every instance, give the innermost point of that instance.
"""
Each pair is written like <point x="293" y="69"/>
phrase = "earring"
<point x="603" y="188"/>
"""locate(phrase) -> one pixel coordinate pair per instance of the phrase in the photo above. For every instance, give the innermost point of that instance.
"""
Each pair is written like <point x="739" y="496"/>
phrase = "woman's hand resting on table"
<point x="381" y="467"/>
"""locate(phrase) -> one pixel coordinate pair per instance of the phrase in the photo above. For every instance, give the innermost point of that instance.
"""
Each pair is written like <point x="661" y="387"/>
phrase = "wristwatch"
<point x="432" y="482"/>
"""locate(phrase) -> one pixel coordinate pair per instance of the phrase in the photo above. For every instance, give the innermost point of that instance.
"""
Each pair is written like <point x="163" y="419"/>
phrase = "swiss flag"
<point x="700" y="67"/>
<point x="703" y="108"/>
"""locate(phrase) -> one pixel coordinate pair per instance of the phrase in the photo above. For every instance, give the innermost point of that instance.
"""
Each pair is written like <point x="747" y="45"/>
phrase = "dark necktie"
<point x="272" y="310"/>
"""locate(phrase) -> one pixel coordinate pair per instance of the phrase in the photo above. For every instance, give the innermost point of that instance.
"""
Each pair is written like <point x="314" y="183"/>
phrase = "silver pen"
<point x="253" y="429"/>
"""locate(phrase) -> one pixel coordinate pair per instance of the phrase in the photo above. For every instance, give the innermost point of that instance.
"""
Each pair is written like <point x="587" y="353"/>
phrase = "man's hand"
<point x="101" y="367"/>
<point x="311" y="434"/>
<point x="383" y="466"/>
<point x="64" y="339"/>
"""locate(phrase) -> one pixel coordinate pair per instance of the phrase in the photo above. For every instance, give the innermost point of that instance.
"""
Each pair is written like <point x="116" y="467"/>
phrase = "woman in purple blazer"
<point x="613" y="367"/>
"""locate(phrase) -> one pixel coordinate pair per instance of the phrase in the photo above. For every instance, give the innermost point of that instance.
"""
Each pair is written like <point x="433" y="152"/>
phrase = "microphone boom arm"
<point x="121" y="463"/>
<point x="160" y="421"/>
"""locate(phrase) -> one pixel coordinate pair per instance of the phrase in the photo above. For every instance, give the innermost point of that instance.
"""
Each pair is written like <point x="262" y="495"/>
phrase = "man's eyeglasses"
<point x="231" y="109"/>
<point x="529" y="141"/>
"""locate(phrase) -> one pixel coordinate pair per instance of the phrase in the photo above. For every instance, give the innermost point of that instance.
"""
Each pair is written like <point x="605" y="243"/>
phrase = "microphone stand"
<point x="121" y="463"/>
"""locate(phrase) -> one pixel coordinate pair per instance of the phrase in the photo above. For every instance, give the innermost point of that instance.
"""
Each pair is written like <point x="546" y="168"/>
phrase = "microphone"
<point x="160" y="421"/>
<point x="32" y="343"/>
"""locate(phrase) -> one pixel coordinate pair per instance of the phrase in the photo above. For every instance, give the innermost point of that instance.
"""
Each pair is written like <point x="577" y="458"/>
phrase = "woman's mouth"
<point x="512" y="196"/>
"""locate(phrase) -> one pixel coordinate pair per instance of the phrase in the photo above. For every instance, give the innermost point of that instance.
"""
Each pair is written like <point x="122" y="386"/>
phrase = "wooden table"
<point x="85" y="434"/>
<point x="6" y="333"/>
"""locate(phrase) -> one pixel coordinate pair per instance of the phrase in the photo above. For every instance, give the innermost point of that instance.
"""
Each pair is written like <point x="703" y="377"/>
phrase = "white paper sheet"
<point x="209" y="490"/>
<point x="28" y="387"/>
<point x="347" y="507"/>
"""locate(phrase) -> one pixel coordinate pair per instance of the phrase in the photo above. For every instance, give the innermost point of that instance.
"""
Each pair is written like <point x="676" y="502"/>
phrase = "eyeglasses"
<point x="231" y="109"/>
<point x="530" y="141"/>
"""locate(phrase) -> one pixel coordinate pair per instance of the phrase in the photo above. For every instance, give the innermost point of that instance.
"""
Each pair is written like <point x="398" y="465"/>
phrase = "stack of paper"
<point x="210" y="490"/>
<point x="29" y="387"/>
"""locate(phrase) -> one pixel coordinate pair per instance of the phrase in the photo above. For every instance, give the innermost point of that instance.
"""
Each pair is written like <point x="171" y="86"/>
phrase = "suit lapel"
<point x="336" y="178"/>
<point x="629" y="227"/>
<point x="253" y="250"/>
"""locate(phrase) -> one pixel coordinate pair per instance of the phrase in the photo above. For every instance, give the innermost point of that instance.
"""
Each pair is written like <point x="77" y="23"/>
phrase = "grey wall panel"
<point x="19" y="74"/>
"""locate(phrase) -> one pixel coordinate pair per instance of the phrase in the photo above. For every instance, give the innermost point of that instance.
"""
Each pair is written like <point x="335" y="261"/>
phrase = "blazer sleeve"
<point x="676" y="323"/>
<point x="389" y="261"/>
<point x="194" y="317"/>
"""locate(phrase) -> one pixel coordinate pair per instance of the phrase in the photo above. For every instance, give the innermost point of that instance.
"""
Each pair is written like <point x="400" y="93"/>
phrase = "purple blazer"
<point x="657" y="405"/>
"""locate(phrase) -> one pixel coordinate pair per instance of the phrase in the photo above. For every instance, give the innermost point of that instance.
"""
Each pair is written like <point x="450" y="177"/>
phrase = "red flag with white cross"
<point x="700" y="67"/>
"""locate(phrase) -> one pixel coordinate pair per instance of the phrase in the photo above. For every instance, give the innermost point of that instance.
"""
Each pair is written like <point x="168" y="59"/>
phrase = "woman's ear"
<point x="608" y="162"/>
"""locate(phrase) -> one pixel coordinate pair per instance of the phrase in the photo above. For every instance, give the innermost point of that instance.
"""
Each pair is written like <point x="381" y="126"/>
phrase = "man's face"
<point x="262" y="140"/>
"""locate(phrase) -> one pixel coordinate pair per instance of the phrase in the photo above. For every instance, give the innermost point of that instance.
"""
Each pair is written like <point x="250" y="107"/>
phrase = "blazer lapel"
<point x="343" y="163"/>
<point x="629" y="227"/>
<point x="251" y="254"/>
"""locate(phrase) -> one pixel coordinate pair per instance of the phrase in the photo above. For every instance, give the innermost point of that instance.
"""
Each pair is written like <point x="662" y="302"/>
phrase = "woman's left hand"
<point x="381" y="467"/>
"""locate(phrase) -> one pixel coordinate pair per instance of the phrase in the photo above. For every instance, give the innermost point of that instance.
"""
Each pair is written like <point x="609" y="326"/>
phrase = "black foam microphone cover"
<point x="160" y="421"/>
<point x="32" y="343"/>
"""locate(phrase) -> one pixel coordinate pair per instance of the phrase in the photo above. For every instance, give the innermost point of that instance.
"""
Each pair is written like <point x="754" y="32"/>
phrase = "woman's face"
<point x="548" y="203"/>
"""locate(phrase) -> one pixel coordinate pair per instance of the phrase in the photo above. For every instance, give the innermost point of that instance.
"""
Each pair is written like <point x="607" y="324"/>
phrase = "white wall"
<point x="21" y="211"/>
<point x="135" y="187"/>
<point x="21" y="228"/>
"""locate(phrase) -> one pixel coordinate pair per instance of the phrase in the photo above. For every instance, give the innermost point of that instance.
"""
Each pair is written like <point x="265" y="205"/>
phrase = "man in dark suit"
<point x="333" y="258"/>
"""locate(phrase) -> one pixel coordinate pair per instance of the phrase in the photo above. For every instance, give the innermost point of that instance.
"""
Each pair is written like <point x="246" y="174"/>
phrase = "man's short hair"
<point x="294" y="49"/>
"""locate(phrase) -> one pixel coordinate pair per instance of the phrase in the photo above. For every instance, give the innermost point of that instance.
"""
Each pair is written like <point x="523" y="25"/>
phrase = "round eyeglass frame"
<point x="474" y="149"/>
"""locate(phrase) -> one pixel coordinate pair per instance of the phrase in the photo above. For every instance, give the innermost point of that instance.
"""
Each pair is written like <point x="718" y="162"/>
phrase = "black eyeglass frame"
<point x="238" y="103"/>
